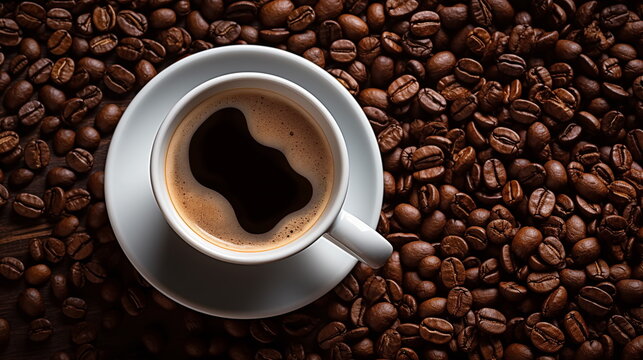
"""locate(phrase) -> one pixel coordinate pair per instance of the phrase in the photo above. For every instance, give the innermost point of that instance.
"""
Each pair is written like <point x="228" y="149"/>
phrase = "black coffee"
<point x="256" y="179"/>
<point x="249" y="170"/>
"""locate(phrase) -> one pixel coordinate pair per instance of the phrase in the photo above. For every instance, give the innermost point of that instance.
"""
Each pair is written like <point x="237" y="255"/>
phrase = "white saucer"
<point x="186" y="275"/>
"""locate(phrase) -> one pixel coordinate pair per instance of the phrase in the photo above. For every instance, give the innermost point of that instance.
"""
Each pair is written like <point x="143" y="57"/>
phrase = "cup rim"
<point x="207" y="89"/>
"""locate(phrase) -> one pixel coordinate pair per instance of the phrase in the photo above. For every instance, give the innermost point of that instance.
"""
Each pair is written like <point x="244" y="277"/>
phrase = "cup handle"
<point x="360" y="240"/>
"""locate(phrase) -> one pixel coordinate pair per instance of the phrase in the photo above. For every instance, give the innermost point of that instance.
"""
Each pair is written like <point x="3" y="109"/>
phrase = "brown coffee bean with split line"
<point x="343" y="51"/>
<point x="436" y="330"/>
<point x="79" y="246"/>
<point x="575" y="327"/>
<point x="547" y="337"/>
<point x="459" y="301"/>
<point x="594" y="300"/>
<point x="403" y="89"/>
<point x="37" y="154"/>
<point x="74" y="308"/>
<point x="80" y="160"/>
<point x="491" y="321"/>
<point x="331" y="334"/>
<point x="40" y="330"/>
<point x="504" y="140"/>
<point x="54" y="199"/>
<point x="452" y="272"/>
<point x="76" y="199"/>
<point x="28" y="205"/>
<point x="132" y="23"/>
<point x="119" y="80"/>
<point x="11" y="268"/>
<point x="53" y="249"/>
<point x="62" y="70"/>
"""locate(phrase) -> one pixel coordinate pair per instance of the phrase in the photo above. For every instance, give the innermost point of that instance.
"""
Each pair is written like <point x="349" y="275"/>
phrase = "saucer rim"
<point x="361" y="120"/>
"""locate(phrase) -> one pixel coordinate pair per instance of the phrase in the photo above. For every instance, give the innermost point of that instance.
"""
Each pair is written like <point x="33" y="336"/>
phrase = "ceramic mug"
<point x="343" y="229"/>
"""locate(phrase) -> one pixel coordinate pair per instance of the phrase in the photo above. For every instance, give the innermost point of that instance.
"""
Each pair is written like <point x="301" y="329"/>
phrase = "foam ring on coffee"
<point x="273" y="121"/>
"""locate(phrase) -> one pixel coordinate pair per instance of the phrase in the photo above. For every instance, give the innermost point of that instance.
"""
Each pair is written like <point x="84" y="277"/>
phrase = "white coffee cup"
<point x="343" y="229"/>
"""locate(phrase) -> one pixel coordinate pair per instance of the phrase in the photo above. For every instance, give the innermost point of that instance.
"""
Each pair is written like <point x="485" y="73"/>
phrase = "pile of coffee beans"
<point x="511" y="134"/>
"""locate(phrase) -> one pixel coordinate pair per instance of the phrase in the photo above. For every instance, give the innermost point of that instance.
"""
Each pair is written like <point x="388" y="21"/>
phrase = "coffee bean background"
<point x="511" y="135"/>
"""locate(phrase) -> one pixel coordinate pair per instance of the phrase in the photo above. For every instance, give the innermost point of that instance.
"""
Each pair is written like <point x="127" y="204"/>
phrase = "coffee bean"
<point x="37" y="275"/>
<point x="547" y="337"/>
<point x="11" y="268"/>
<point x="402" y="89"/>
<point x="91" y="95"/>
<point x="77" y="275"/>
<point x="459" y="301"/>
<point x="300" y="18"/>
<point x="103" y="44"/>
<point x="79" y="246"/>
<point x="59" y="42"/>
<point x="594" y="300"/>
<point x="95" y="273"/>
<point x="28" y="205"/>
<point x="30" y="15"/>
<point x="9" y="140"/>
<point x="119" y="80"/>
<point x="505" y="141"/>
<point x="37" y="154"/>
<point x="74" y="308"/>
<point x="436" y="330"/>
<point x="343" y="51"/>
<point x="40" y="329"/>
<point x="58" y="19"/>
<point x="17" y="93"/>
<point x="9" y="32"/>
<point x="62" y="70"/>
<point x="132" y="23"/>
<point x="31" y="302"/>
<point x="452" y="272"/>
<point x="491" y="321"/>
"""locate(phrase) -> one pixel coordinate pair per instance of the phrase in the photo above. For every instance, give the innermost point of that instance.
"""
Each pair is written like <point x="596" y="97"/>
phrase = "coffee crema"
<point x="249" y="170"/>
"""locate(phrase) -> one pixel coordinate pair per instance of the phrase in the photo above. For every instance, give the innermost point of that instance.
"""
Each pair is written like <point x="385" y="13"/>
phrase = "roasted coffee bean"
<point x="28" y="205"/>
<point x="31" y="302"/>
<point x="300" y="18"/>
<point x="54" y="199"/>
<point x="132" y="23"/>
<point x="547" y="337"/>
<point x="37" y="275"/>
<point x="54" y="249"/>
<point x="11" y="268"/>
<point x="17" y="93"/>
<point x="37" y="154"/>
<point x="62" y="70"/>
<point x="343" y="51"/>
<point x="79" y="246"/>
<point x="459" y="301"/>
<point x="74" y="308"/>
<point x="436" y="330"/>
<point x="73" y="111"/>
<point x="491" y="321"/>
<point x="77" y="275"/>
<point x="504" y="140"/>
<point x="594" y="300"/>
<point x="40" y="330"/>
<point x="119" y="80"/>
<point x="58" y="19"/>
<point x="91" y="95"/>
<point x="452" y="272"/>
<point x="9" y="32"/>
